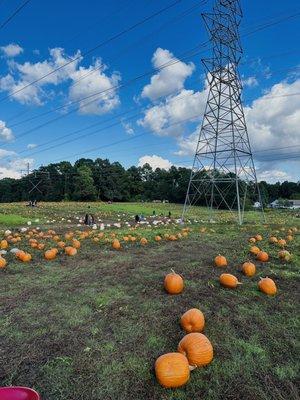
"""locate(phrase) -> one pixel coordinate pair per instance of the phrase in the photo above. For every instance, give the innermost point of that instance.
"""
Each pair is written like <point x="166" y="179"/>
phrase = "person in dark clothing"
<point x="89" y="219"/>
<point x="137" y="219"/>
<point x="169" y="214"/>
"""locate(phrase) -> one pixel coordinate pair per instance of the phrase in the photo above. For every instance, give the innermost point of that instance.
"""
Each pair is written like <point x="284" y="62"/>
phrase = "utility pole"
<point x="223" y="162"/>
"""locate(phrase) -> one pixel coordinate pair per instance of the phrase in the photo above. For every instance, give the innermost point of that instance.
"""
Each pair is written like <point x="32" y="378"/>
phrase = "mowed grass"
<point x="10" y="220"/>
<point x="91" y="327"/>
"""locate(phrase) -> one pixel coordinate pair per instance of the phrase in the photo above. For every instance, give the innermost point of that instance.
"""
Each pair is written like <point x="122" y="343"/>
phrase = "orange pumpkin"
<point x="192" y="321"/>
<point x="229" y="281"/>
<point x="157" y="238"/>
<point x="173" y="283"/>
<point x="267" y="286"/>
<point x="262" y="256"/>
<point x="258" y="238"/>
<point x="76" y="243"/>
<point x="3" y="244"/>
<point x="27" y="257"/>
<point x="289" y="238"/>
<point x="252" y="240"/>
<point x="254" y="250"/>
<point x="172" y="370"/>
<point x="61" y="244"/>
<point x="50" y="254"/>
<point x="197" y="349"/>
<point x="2" y="262"/>
<point x="143" y="241"/>
<point x="70" y="251"/>
<point x="20" y="254"/>
<point x="220" y="261"/>
<point x="281" y="242"/>
<point x="248" y="268"/>
<point x="116" y="244"/>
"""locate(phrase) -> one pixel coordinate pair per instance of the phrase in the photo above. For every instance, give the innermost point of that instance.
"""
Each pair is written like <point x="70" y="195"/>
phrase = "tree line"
<point x="92" y="180"/>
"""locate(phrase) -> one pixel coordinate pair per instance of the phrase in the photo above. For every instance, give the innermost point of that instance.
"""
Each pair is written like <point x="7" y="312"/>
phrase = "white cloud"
<point x="95" y="81"/>
<point x="11" y="50"/>
<point x="31" y="146"/>
<point x="273" y="176"/>
<point x="155" y="162"/>
<point x="6" y="133"/>
<point x="167" y="79"/>
<point x="6" y="153"/>
<point x="274" y="121"/>
<point x="11" y="168"/>
<point x="185" y="106"/>
<point x="128" y="127"/>
<point x="250" y="82"/>
<point x="22" y="75"/>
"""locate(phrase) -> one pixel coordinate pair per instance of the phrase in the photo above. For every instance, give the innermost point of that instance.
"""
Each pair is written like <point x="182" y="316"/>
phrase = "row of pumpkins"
<point x="34" y="240"/>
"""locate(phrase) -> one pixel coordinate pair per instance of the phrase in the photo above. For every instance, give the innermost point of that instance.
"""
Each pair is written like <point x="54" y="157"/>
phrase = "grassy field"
<point x="91" y="326"/>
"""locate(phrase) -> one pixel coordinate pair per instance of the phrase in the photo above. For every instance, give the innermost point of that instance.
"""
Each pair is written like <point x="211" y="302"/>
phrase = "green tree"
<point x="84" y="188"/>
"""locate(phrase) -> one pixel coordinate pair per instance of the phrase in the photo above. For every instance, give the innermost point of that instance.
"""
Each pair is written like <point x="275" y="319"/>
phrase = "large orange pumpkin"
<point x="197" y="348"/>
<point x="173" y="283"/>
<point x="267" y="286"/>
<point x="220" y="261"/>
<point x="229" y="281"/>
<point x="192" y="320"/>
<point x="172" y="370"/>
<point x="262" y="256"/>
<point x="248" y="268"/>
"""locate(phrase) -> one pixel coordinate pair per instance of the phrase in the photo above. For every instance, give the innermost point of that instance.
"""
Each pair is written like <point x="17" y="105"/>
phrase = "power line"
<point x="111" y="39"/>
<point x="4" y="23"/>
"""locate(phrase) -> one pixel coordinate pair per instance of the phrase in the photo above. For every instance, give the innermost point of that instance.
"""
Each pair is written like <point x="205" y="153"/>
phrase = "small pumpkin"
<point x="254" y="250"/>
<point x="2" y="262"/>
<point x="70" y="251"/>
<point x="173" y="283"/>
<point x="220" y="261"/>
<point x="285" y="255"/>
<point x="143" y="241"/>
<point x="50" y="254"/>
<point x="273" y="239"/>
<point x="192" y="321"/>
<point x="262" y="256"/>
<point x="289" y="238"/>
<point x="76" y="243"/>
<point x="197" y="349"/>
<point x="252" y="240"/>
<point x="259" y="238"/>
<point x="116" y="244"/>
<point x="27" y="257"/>
<point x="3" y="244"/>
<point x="157" y="238"/>
<point x="248" y="268"/>
<point x="281" y="242"/>
<point x="229" y="281"/>
<point x="267" y="286"/>
<point x="172" y="370"/>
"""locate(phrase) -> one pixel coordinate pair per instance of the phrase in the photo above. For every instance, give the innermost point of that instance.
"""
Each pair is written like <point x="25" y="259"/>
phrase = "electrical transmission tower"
<point x="223" y="170"/>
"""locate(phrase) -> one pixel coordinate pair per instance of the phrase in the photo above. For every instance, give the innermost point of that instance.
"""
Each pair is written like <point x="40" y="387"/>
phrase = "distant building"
<point x="281" y="203"/>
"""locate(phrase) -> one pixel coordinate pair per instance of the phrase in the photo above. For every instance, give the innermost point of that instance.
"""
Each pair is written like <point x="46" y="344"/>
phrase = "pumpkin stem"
<point x="172" y="270"/>
<point x="192" y="367"/>
<point x="239" y="283"/>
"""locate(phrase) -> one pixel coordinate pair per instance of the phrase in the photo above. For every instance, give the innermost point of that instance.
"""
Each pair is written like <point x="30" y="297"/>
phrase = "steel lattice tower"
<point x="223" y="162"/>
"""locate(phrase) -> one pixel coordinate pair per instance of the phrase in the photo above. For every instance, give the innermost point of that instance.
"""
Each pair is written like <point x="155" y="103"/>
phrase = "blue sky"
<point x="148" y="119"/>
